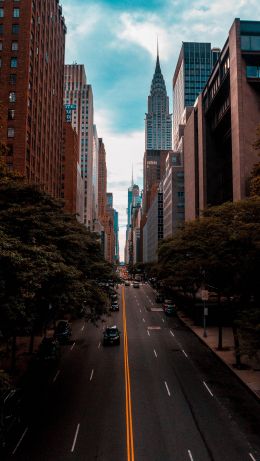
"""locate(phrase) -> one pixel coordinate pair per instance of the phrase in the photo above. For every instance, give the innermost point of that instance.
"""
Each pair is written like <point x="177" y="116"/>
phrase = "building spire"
<point x="157" y="48"/>
<point x="132" y="175"/>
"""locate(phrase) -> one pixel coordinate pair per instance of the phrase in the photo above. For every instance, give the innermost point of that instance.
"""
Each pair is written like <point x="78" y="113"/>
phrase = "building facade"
<point x="32" y="45"/>
<point x="153" y="229"/>
<point x="173" y="194"/>
<point x="219" y="137"/>
<point x="78" y="100"/>
<point x="69" y="168"/>
<point x="158" y="120"/>
<point x="191" y="74"/>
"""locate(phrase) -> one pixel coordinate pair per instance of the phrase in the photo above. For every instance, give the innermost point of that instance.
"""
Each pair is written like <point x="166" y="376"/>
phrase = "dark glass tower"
<point x="158" y="121"/>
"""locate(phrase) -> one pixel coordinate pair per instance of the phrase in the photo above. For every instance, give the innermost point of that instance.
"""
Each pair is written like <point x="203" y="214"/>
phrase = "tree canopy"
<point x="49" y="263"/>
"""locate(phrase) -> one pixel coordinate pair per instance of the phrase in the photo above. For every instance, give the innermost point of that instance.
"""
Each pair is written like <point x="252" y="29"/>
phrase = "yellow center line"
<point x="129" y="419"/>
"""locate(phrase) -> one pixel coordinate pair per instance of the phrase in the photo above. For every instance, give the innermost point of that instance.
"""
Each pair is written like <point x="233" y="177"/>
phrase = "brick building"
<point x="32" y="44"/>
<point x="218" y="138"/>
<point x="69" y="176"/>
<point x="102" y="180"/>
<point x="173" y="194"/>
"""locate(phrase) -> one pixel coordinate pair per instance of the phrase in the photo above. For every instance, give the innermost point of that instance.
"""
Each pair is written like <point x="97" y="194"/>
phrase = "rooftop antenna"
<point x="132" y="175"/>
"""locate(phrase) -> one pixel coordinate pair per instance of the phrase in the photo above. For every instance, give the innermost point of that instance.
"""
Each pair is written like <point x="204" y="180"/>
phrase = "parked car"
<point x="111" y="335"/>
<point x="62" y="331"/>
<point x="114" y="307"/>
<point x="49" y="350"/>
<point x="136" y="284"/>
<point x="10" y="413"/>
<point x="169" y="307"/>
<point x="127" y="283"/>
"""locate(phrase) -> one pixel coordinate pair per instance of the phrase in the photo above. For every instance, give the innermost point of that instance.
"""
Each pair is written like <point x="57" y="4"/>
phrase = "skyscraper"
<point x="191" y="74"/>
<point x="158" y="121"/>
<point x="78" y="95"/>
<point x="31" y="89"/>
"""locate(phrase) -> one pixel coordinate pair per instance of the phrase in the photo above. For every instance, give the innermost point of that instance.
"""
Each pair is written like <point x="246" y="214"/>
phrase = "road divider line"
<point x="163" y="320"/>
<point x="83" y="328"/>
<point x="91" y="376"/>
<point x="252" y="457"/>
<point x="172" y="333"/>
<point x="143" y="320"/>
<point x="20" y="441"/>
<point x="148" y="332"/>
<point x="128" y="401"/>
<point x="56" y="376"/>
<point x="72" y="346"/>
<point x="186" y="355"/>
<point x="190" y="455"/>
<point x="208" y="389"/>
<point x="167" y="388"/>
<point x="75" y="438"/>
<point x="155" y="353"/>
<point x="99" y="345"/>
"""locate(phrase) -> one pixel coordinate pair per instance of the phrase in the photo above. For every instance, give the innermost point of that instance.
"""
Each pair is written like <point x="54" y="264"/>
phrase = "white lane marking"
<point x="148" y="332"/>
<point x="83" y="328"/>
<point x="20" y="441"/>
<point x="91" y="376"/>
<point x="99" y="345"/>
<point x="208" y="389"/>
<point x="72" y="346"/>
<point x="75" y="438"/>
<point x="184" y="353"/>
<point x="56" y="376"/>
<point x="252" y="457"/>
<point x="143" y="320"/>
<point x="155" y="353"/>
<point x="140" y="310"/>
<point x="172" y="333"/>
<point x="190" y="455"/>
<point x="162" y="320"/>
<point x="167" y="388"/>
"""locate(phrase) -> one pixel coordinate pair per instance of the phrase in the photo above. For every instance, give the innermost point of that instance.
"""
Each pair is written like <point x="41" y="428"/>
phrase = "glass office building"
<point x="194" y="66"/>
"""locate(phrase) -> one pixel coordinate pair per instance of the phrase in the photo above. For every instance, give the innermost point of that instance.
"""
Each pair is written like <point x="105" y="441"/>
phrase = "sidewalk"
<point x="250" y="377"/>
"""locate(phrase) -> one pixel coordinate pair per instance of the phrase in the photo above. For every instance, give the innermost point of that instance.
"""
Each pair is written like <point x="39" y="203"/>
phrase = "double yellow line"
<point x="128" y="402"/>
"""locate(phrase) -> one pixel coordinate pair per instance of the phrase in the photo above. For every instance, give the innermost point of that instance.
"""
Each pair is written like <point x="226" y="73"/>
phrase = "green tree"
<point x="254" y="180"/>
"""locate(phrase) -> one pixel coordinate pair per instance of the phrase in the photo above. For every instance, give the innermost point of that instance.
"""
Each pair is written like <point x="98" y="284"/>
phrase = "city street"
<point x="161" y="395"/>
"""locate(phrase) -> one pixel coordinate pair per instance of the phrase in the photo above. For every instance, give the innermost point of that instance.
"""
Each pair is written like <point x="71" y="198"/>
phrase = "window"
<point x="14" y="46"/>
<point x="10" y="149"/>
<point x="0" y="62"/>
<point x="11" y="114"/>
<point x="1" y="46"/>
<point x="12" y="96"/>
<point x="13" y="62"/>
<point x="15" y="29"/>
<point x="16" y="13"/>
<point x="10" y="133"/>
<point x="250" y="42"/>
<point x="1" y="12"/>
<point x="253" y="71"/>
<point x="1" y="29"/>
<point x="12" y="79"/>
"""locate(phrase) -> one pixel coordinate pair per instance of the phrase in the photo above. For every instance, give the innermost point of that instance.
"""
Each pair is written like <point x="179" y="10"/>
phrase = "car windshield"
<point x="111" y="331"/>
<point x="61" y="326"/>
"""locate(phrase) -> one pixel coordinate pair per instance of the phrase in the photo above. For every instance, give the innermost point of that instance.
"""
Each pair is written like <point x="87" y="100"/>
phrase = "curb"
<point x="251" y="391"/>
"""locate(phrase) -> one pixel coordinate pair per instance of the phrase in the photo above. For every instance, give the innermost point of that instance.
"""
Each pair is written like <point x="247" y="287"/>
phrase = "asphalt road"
<point x="160" y="396"/>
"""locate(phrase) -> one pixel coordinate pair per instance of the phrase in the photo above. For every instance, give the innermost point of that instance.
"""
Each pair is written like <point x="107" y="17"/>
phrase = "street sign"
<point x="204" y="295"/>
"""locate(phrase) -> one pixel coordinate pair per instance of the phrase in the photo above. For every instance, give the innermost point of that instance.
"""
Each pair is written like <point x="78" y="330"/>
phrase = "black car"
<point x="62" y="331"/>
<point x="114" y="306"/>
<point x="10" y="410"/>
<point x="49" y="350"/>
<point x="159" y="298"/>
<point x="111" y="335"/>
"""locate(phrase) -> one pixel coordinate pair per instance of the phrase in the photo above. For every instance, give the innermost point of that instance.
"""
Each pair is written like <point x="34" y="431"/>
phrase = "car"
<point x="127" y="283"/>
<point x="169" y="307"/>
<point x="114" y="307"/>
<point x="111" y="335"/>
<point x="10" y="413"/>
<point x="136" y="284"/>
<point x="62" y="331"/>
<point x="49" y="349"/>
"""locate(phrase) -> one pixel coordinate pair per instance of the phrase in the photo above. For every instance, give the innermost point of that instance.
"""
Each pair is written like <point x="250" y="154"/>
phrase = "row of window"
<point x="14" y="46"/>
<point x="253" y="71"/>
<point x="16" y="13"/>
<point x="15" y="29"/>
<point x="13" y="63"/>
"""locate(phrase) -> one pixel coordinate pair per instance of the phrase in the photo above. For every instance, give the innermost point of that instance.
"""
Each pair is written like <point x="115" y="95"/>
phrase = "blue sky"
<point x="116" y="41"/>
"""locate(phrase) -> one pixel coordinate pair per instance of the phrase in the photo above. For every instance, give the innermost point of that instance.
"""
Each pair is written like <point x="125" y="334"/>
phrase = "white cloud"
<point x="143" y="30"/>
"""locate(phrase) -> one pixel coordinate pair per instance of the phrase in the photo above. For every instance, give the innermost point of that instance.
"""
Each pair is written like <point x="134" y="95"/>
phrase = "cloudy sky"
<point x="116" y="41"/>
